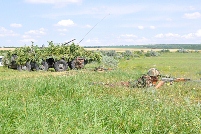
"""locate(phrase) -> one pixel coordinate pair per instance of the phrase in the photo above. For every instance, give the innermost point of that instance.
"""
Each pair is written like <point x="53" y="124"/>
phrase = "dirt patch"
<point x="7" y="48"/>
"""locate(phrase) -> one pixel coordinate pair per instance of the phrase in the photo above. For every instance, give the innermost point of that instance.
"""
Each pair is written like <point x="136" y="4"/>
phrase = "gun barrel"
<point x="181" y="79"/>
<point x="167" y="79"/>
<point x="175" y="79"/>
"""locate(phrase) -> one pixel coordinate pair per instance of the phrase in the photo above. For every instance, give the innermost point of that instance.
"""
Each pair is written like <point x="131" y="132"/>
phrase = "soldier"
<point x="154" y="74"/>
<point x="147" y="80"/>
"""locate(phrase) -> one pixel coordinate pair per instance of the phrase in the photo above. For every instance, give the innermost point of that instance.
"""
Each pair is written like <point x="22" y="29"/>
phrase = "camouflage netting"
<point x="37" y="54"/>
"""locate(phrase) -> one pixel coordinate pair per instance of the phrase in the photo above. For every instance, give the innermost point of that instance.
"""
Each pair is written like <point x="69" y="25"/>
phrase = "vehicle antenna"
<point x="93" y="28"/>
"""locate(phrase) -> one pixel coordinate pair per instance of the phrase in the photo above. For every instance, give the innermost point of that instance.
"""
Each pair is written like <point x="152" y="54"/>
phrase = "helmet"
<point x="153" y="72"/>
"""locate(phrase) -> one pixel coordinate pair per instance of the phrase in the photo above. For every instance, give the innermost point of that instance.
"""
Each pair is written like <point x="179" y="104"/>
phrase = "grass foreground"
<point x="80" y="101"/>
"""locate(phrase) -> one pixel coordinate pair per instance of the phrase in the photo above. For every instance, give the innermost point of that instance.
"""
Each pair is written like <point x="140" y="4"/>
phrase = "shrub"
<point x="182" y="50"/>
<point x="127" y="54"/>
<point x="151" y="53"/>
<point x="165" y="51"/>
<point x="109" y="61"/>
<point x="109" y="53"/>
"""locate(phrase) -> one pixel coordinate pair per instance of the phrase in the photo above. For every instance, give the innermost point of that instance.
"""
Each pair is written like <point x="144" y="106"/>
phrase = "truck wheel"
<point x="42" y="67"/>
<point x="26" y="67"/>
<point x="60" y="65"/>
<point x="77" y="64"/>
<point x="73" y="64"/>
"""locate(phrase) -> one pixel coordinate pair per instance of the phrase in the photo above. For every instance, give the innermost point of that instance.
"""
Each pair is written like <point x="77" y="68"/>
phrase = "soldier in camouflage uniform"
<point x="147" y="80"/>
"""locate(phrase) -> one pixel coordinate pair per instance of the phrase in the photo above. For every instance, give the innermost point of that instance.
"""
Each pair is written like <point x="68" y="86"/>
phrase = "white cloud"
<point x="172" y="35"/>
<point x="191" y="8"/>
<point x="100" y="11"/>
<point x="140" y="27"/>
<point x="40" y="31"/>
<point x="128" y="40"/>
<point x="142" y="40"/>
<point x="152" y="27"/>
<point x="159" y="36"/>
<point x="167" y="35"/>
<point x="62" y="30"/>
<point x="188" y="36"/>
<point x="26" y="36"/>
<point x="5" y="32"/>
<point x="15" y="25"/>
<point x="62" y="34"/>
<point x="120" y="9"/>
<point x="53" y="1"/>
<point x="168" y="19"/>
<point x="194" y="15"/>
<point x="65" y="23"/>
<point x="129" y="36"/>
<point x="88" y="40"/>
<point x="32" y="34"/>
<point x="28" y="40"/>
<point x="94" y="40"/>
<point x="198" y="33"/>
<point x="88" y="26"/>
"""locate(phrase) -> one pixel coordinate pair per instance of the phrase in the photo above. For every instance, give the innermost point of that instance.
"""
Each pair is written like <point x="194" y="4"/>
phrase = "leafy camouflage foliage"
<point x="3" y="52"/>
<point x="57" y="52"/>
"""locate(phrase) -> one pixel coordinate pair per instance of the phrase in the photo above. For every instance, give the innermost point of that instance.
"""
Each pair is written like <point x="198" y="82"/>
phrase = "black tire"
<point x="33" y="66"/>
<point x="41" y="67"/>
<point x="26" y="67"/>
<point x="75" y="64"/>
<point x="60" y="65"/>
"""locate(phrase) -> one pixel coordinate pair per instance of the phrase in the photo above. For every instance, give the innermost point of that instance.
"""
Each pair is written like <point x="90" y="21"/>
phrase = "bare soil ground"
<point x="7" y="48"/>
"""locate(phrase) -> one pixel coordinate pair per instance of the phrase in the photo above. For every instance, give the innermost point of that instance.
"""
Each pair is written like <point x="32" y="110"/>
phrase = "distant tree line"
<point x="154" y="46"/>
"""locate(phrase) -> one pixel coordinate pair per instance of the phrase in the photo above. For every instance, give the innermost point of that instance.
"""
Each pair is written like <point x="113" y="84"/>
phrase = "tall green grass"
<point x="83" y="102"/>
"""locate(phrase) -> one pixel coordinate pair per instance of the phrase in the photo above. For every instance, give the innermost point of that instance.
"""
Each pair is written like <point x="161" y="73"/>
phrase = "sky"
<point x="99" y="22"/>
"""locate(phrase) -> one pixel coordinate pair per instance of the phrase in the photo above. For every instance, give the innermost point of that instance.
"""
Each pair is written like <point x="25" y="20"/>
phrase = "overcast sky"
<point x="117" y="22"/>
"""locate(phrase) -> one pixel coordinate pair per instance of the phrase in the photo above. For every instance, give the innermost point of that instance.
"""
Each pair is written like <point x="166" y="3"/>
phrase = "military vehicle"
<point x="1" y="57"/>
<point x="60" y="57"/>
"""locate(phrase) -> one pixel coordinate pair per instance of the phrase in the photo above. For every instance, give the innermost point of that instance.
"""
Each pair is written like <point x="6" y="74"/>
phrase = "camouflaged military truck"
<point x="59" y="57"/>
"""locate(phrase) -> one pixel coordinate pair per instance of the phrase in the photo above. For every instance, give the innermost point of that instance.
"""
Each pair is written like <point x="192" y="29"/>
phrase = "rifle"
<point x="102" y="69"/>
<point x="171" y="80"/>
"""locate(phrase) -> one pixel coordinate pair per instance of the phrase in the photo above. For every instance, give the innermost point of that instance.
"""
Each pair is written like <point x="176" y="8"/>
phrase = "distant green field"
<point x="85" y="101"/>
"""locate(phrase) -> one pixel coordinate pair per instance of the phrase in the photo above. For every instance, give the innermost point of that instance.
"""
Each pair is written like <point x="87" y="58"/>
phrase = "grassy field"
<point x="82" y="101"/>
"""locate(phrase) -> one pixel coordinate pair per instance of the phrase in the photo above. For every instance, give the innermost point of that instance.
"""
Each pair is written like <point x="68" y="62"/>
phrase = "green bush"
<point x="151" y="53"/>
<point x="127" y="54"/>
<point x="109" y="61"/>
